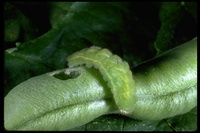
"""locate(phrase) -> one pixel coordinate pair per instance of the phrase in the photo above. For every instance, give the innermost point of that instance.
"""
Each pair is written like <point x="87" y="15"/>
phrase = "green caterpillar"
<point x="115" y="71"/>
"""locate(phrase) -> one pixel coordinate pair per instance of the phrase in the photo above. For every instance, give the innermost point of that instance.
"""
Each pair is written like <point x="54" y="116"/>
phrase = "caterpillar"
<point x="114" y="70"/>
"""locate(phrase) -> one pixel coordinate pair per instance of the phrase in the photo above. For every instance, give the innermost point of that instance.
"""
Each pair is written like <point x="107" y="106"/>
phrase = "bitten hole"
<point x="68" y="74"/>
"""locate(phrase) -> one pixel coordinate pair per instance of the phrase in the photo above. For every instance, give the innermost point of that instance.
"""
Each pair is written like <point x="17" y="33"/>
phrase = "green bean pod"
<point x="160" y="88"/>
<point x="167" y="85"/>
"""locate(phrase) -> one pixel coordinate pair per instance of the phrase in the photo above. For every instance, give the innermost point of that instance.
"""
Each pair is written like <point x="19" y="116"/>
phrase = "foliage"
<point x="134" y="31"/>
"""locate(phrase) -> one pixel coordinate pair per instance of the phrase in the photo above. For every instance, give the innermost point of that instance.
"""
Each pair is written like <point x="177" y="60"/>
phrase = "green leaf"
<point x="58" y="10"/>
<point x="19" y="68"/>
<point x="185" y="122"/>
<point x="18" y="27"/>
<point x="192" y="8"/>
<point x="119" y="123"/>
<point x="12" y="29"/>
<point x="170" y="15"/>
<point x="106" y="123"/>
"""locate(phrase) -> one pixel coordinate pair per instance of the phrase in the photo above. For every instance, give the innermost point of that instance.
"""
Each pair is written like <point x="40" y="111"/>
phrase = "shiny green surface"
<point x="165" y="87"/>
